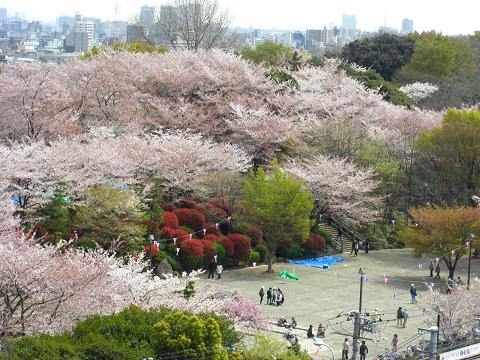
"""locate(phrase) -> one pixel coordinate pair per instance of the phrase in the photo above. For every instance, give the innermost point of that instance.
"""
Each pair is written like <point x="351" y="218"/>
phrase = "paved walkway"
<point x="320" y="295"/>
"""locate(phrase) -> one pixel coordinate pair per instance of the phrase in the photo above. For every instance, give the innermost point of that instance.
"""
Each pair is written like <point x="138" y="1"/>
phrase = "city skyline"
<point x="268" y="14"/>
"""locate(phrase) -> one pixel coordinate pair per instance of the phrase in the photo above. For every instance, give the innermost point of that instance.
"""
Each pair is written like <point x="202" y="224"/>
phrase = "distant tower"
<point x="116" y="24"/>
<point x="407" y="26"/>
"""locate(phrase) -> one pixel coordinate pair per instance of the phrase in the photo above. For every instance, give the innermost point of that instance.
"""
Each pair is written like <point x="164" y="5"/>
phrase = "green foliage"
<point x="452" y="153"/>
<point x="155" y="198"/>
<point x="325" y="235"/>
<point x="174" y="263"/>
<point x="262" y="250"/>
<point x="437" y="56"/>
<point x="111" y="214"/>
<point x="135" y="47"/>
<point x="264" y="347"/>
<point x="189" y="290"/>
<point x="280" y="76"/>
<point x="56" y="219"/>
<point x="220" y="252"/>
<point x="268" y="53"/>
<point x="384" y="53"/>
<point x="254" y="257"/>
<point x="295" y="251"/>
<point x="132" y="334"/>
<point x="316" y="61"/>
<point x="373" y="80"/>
<point x="279" y="204"/>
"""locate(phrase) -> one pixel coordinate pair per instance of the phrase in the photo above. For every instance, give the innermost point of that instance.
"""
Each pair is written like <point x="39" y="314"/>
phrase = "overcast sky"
<point x="450" y="17"/>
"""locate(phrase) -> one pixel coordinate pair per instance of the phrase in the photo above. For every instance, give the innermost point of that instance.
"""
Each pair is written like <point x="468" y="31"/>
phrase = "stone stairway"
<point x="343" y="242"/>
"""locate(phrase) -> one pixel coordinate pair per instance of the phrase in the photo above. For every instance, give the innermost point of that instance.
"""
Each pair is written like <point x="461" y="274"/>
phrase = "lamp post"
<point x="151" y="239"/>
<point x="361" y="273"/>
<point x="318" y="216"/>
<point x="472" y="237"/>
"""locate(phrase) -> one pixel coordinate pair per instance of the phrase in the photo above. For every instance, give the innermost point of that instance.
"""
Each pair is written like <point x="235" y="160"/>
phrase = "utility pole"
<point x="361" y="272"/>
<point x="356" y="334"/>
<point x="470" y="243"/>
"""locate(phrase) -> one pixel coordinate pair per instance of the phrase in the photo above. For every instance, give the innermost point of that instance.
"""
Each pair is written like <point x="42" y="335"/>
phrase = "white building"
<point x="86" y="29"/>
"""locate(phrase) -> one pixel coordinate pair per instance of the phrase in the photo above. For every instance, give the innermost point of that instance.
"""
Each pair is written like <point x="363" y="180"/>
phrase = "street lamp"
<point x="361" y="272"/>
<point x="471" y="237"/>
<point x="151" y="239"/>
<point x="318" y="217"/>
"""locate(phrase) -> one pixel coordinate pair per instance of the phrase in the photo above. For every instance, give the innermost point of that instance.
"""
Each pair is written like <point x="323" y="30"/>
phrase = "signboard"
<point x="462" y="353"/>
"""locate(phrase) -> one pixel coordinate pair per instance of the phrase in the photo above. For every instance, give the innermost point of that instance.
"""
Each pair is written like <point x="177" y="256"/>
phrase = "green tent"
<point x="288" y="275"/>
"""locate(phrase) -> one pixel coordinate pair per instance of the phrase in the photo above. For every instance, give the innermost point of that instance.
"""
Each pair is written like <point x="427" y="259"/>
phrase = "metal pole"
<point x="361" y="294"/>
<point x="356" y="335"/>
<point x="317" y="220"/>
<point x="432" y="351"/>
<point x="469" y="263"/>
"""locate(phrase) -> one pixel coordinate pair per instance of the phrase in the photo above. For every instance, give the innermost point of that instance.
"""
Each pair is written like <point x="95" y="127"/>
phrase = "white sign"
<point x="463" y="353"/>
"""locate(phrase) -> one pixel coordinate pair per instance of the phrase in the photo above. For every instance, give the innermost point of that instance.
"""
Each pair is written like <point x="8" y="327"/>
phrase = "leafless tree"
<point x="192" y="24"/>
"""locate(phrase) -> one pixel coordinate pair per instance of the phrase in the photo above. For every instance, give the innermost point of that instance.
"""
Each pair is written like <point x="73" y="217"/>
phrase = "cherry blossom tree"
<point x="418" y="91"/>
<point x="339" y="186"/>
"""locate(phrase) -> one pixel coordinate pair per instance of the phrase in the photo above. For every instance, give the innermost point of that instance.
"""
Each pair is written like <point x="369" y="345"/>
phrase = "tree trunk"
<point x="270" y="262"/>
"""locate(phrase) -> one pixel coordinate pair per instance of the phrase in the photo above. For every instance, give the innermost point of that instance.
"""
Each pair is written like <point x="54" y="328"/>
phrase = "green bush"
<point x="132" y="334"/>
<point x="295" y="251"/>
<point x="326" y="236"/>
<point x="220" y="251"/>
<point x="262" y="250"/>
<point x="280" y="77"/>
<point x="254" y="257"/>
<point x="174" y="263"/>
<point x="87" y="244"/>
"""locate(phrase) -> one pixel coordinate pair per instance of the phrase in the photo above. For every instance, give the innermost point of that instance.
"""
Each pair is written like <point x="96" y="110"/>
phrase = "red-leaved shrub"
<point x="241" y="246"/>
<point x="208" y="250"/>
<point x="187" y="202"/>
<point x="255" y="234"/>
<point x="212" y="229"/>
<point x="191" y="218"/>
<point x="211" y="237"/>
<point x="309" y="244"/>
<point x="170" y="220"/>
<point x="227" y="245"/>
<point x="192" y="248"/>
<point x="167" y="232"/>
<point x="212" y="213"/>
<point x="220" y="203"/>
<point x="154" y="250"/>
<point x="181" y="235"/>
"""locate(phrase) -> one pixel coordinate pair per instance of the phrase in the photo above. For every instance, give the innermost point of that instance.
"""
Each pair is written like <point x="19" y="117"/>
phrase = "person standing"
<point x="219" y="271"/>
<point x="345" y="348"/>
<point x="399" y="316"/>
<point x="211" y="270"/>
<point x="431" y="267"/>
<point x="437" y="269"/>
<point x="269" y="296"/>
<point x="394" y="342"/>
<point x="293" y="324"/>
<point x="413" y="293"/>
<point x="405" y="317"/>
<point x="310" y="332"/>
<point x="353" y="247"/>
<point x="367" y="246"/>
<point x="356" y="248"/>
<point x="261" y="293"/>
<point x="363" y="350"/>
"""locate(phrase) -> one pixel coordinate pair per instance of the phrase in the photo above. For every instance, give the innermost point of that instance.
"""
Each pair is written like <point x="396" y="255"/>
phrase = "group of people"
<point x="214" y="267"/>
<point x="320" y="331"/>
<point x="275" y="296"/>
<point x="289" y="325"/>
<point x="402" y="317"/>
<point x="356" y="245"/>
<point x="346" y="349"/>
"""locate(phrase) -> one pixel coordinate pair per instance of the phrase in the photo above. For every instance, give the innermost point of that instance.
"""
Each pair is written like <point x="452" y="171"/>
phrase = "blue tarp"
<point x="324" y="262"/>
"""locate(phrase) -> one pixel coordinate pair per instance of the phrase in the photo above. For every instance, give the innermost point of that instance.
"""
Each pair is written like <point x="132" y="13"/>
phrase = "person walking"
<point x="269" y="296"/>
<point x="261" y="293"/>
<point x="356" y="248"/>
<point x="399" y="316"/>
<point x="459" y="281"/>
<point x="431" y="267"/>
<point x="310" y="332"/>
<point x="219" y="271"/>
<point x="405" y="317"/>
<point x="211" y="270"/>
<point x="274" y="296"/>
<point x="363" y="350"/>
<point x="437" y="269"/>
<point x="353" y="247"/>
<point x="367" y="246"/>
<point x="394" y="342"/>
<point x="413" y="293"/>
<point x="345" y="349"/>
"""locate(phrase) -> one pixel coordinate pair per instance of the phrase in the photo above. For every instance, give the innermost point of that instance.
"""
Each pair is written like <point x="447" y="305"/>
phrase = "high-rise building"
<point x="81" y="41"/>
<point x="407" y="26"/>
<point x="147" y="16"/>
<point x="3" y="14"/>
<point x="349" y="22"/>
<point x="83" y="27"/>
<point x="297" y="40"/>
<point x="135" y="33"/>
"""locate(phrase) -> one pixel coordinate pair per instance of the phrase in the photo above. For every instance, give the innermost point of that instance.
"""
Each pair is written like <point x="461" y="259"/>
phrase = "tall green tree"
<point x="269" y="53"/>
<point x="385" y="53"/>
<point x="279" y="204"/>
<point x="437" y="56"/>
<point x="111" y="216"/>
<point x="442" y="232"/>
<point x="55" y="216"/>
<point x="450" y="156"/>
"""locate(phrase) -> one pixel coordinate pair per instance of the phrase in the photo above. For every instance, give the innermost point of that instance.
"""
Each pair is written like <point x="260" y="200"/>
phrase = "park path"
<point x="320" y="295"/>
